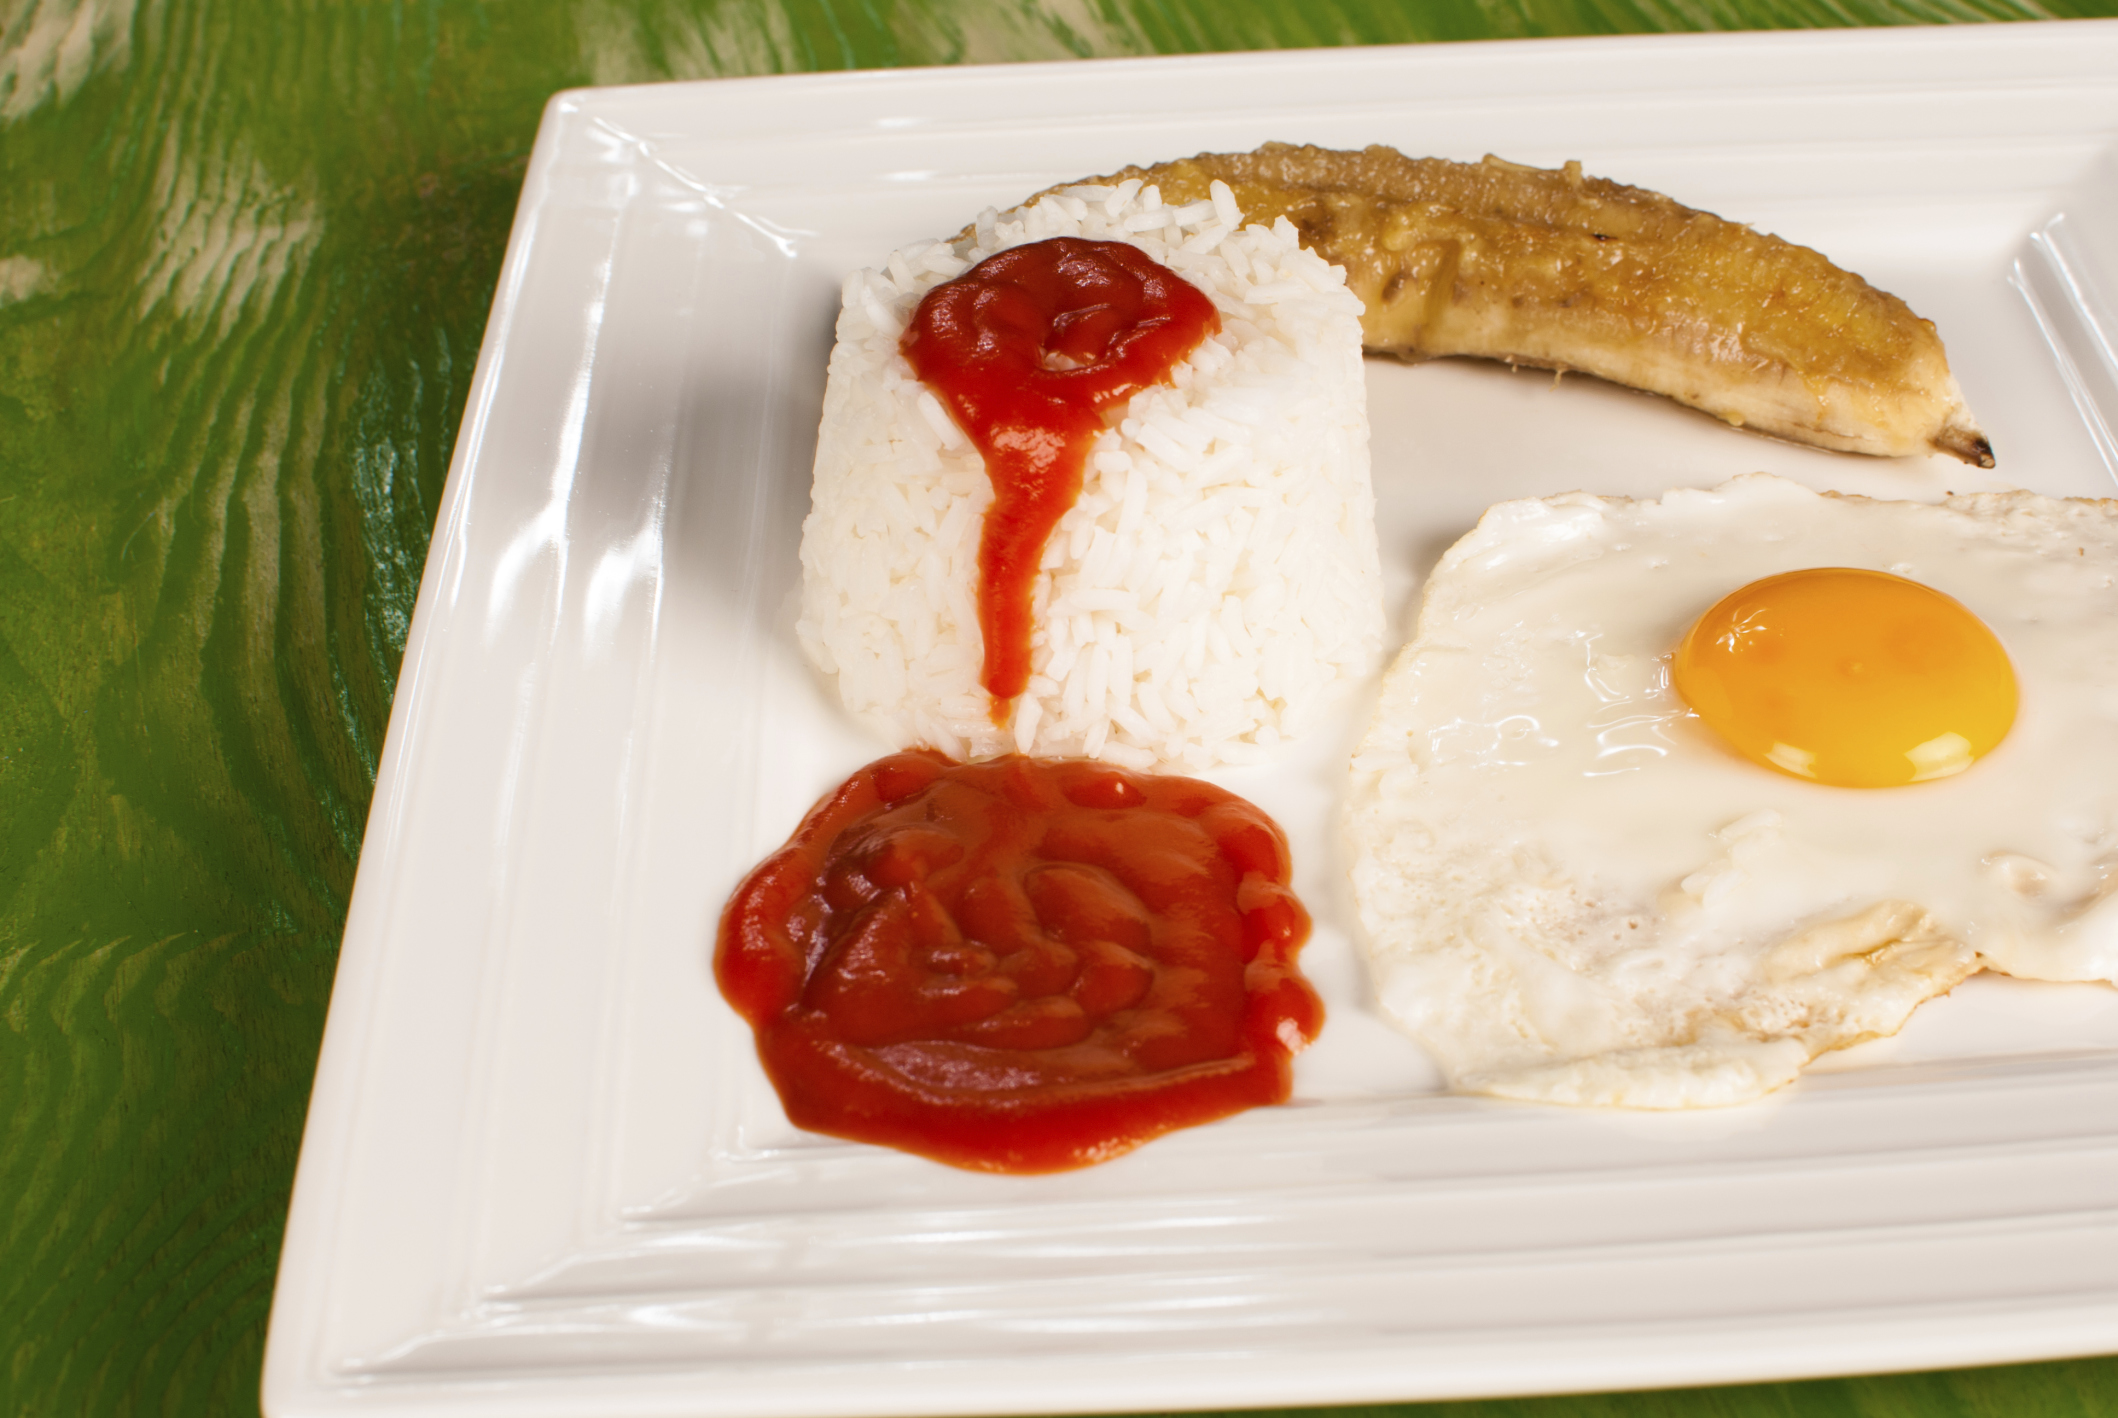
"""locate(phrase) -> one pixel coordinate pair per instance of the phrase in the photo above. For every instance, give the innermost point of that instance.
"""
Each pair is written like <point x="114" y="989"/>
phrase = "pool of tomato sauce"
<point x="1027" y="350"/>
<point x="1021" y="965"/>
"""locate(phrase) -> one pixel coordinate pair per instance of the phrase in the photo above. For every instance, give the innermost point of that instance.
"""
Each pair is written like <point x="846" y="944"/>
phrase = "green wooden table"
<point x="246" y="253"/>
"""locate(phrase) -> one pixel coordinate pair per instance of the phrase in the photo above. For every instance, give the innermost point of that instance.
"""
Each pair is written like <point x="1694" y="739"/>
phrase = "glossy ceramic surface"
<point x="542" y="1173"/>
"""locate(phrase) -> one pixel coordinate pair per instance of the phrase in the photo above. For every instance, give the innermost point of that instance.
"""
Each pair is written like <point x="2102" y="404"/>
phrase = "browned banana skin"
<point x="1561" y="271"/>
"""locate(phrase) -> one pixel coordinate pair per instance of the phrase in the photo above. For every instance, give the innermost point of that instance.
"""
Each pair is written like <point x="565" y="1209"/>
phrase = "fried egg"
<point x="1665" y="798"/>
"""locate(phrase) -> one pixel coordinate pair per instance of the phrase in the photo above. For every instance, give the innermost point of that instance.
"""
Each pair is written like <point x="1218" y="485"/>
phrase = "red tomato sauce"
<point x="1027" y="349"/>
<point x="1021" y="965"/>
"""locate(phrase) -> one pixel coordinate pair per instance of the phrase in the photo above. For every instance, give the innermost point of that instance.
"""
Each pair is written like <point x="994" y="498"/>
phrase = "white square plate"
<point x="543" y="1174"/>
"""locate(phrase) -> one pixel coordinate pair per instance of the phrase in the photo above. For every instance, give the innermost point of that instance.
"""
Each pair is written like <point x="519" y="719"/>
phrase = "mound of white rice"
<point x="1217" y="580"/>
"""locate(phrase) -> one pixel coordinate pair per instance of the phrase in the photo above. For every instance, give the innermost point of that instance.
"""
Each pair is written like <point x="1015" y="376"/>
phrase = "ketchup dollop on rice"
<point x="1021" y="965"/>
<point x="1027" y="350"/>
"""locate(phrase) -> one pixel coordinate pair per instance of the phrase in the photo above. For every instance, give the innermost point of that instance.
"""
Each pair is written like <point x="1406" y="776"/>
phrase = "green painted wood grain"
<point x="246" y="251"/>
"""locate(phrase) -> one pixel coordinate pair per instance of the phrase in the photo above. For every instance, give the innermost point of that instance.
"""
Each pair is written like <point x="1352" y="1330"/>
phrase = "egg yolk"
<point x="1858" y="679"/>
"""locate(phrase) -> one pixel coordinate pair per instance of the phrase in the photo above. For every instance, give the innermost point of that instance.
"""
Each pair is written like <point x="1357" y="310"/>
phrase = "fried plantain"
<point x="1557" y="270"/>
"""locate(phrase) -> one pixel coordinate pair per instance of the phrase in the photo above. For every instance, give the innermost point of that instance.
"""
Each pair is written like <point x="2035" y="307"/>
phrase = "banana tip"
<point x="1966" y="444"/>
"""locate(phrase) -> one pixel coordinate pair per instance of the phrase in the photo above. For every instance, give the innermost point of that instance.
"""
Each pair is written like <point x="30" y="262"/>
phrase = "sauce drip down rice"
<point x="1028" y="349"/>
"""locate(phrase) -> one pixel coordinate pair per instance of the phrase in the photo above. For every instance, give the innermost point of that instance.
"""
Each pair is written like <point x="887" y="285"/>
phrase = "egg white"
<point x="1573" y="891"/>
